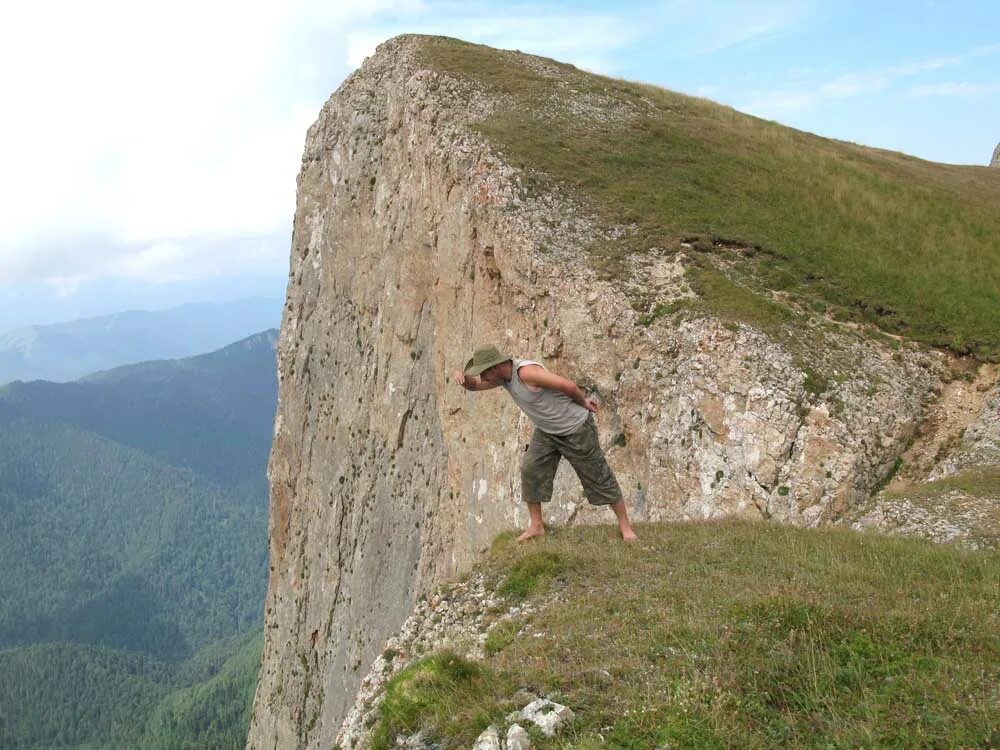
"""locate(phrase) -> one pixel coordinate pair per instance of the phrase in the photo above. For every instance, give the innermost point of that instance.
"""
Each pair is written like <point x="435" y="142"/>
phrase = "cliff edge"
<point x="416" y="238"/>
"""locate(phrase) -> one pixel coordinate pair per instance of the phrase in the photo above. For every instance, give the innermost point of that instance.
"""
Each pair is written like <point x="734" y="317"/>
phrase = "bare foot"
<point x="531" y="533"/>
<point x="629" y="535"/>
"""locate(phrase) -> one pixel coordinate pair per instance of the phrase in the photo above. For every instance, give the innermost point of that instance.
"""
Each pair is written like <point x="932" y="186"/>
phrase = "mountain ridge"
<point x="231" y="390"/>
<point x="67" y="351"/>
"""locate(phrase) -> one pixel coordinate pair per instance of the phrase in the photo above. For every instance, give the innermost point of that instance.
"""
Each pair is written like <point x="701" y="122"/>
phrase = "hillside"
<point x="704" y="635"/>
<point x="69" y="695"/>
<point x="212" y="413"/>
<point x="102" y="544"/>
<point x="856" y="233"/>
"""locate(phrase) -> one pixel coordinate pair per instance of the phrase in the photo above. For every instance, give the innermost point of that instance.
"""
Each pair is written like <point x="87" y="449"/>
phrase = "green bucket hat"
<point x="483" y="359"/>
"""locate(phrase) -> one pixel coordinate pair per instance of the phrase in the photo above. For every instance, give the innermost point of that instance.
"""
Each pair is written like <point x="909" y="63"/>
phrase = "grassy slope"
<point x="862" y="233"/>
<point x="730" y="635"/>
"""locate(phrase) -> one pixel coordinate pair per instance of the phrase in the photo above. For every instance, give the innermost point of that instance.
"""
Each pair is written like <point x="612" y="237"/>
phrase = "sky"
<point x="150" y="149"/>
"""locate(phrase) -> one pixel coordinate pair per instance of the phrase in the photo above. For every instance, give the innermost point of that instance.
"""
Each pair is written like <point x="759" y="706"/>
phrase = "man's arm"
<point x="471" y="383"/>
<point x="539" y="377"/>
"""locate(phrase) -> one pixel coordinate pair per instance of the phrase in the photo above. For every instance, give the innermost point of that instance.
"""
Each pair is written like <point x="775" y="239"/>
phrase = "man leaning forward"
<point x="564" y="428"/>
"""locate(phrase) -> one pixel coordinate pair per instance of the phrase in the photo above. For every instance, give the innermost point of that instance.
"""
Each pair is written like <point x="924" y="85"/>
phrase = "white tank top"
<point x="551" y="411"/>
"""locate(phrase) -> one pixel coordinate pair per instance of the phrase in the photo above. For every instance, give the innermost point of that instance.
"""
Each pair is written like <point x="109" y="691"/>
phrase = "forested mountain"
<point x="211" y="413"/>
<point x="63" y="695"/>
<point x="133" y="551"/>
<point x="103" y="544"/>
<point x="65" y="351"/>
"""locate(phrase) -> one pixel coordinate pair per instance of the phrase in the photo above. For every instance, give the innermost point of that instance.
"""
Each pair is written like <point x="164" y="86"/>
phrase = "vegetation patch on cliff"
<point x="964" y="507"/>
<point x="728" y="634"/>
<point x="984" y="481"/>
<point x="859" y="233"/>
<point x="443" y="692"/>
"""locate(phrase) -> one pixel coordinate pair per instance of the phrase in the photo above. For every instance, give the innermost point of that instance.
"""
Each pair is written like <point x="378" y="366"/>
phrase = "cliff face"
<point x="413" y="243"/>
<point x="995" y="161"/>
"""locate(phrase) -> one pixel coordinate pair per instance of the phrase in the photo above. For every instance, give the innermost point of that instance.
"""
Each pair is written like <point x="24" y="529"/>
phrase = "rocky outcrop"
<point x="948" y="488"/>
<point x="995" y="161"/>
<point x="456" y="617"/>
<point x="979" y="444"/>
<point x="414" y="242"/>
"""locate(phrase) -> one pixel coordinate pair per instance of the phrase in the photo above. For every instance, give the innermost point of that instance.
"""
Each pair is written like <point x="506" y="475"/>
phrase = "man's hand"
<point x="469" y="382"/>
<point x="539" y="377"/>
<point x="472" y="383"/>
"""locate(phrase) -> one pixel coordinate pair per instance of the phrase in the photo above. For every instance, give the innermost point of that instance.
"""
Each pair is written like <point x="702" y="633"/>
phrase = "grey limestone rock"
<point x="418" y="741"/>
<point x="488" y="740"/>
<point x="547" y="715"/>
<point x="517" y="738"/>
<point x="995" y="161"/>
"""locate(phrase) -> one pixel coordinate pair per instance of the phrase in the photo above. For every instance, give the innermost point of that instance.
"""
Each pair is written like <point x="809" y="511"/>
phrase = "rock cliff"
<point x="995" y="161"/>
<point x="414" y="241"/>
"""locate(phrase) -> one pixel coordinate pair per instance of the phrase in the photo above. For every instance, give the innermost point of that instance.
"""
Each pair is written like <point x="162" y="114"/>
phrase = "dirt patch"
<point x="960" y="402"/>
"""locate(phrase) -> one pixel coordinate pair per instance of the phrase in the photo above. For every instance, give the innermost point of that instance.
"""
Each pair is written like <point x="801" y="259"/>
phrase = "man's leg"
<point x="623" y="525"/>
<point x="583" y="450"/>
<point x="538" y="470"/>
<point x="535" y="525"/>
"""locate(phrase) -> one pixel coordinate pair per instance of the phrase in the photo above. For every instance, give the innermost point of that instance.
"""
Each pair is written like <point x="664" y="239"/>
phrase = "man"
<point x="564" y="427"/>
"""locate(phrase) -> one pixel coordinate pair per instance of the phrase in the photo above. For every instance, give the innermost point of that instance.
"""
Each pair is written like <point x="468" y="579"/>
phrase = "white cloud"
<point x="935" y="63"/>
<point x="69" y="262"/>
<point x="776" y="102"/>
<point x="146" y="123"/>
<point x="766" y="103"/>
<point x="66" y="286"/>
<point x="695" y="27"/>
<point x="956" y="89"/>
<point x="137" y="134"/>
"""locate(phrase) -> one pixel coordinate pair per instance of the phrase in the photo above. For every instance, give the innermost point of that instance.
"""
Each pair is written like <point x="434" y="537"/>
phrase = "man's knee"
<point x="536" y="487"/>
<point x="607" y="494"/>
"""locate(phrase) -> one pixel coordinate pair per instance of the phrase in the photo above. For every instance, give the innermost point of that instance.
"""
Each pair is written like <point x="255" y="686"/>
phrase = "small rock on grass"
<point x="488" y="740"/>
<point x="547" y="715"/>
<point x="517" y="738"/>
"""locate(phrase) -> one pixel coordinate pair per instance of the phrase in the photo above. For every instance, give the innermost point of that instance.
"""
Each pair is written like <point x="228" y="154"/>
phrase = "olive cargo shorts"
<point x="583" y="451"/>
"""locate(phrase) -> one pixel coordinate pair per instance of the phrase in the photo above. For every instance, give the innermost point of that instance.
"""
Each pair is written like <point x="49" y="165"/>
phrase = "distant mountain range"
<point x="67" y="351"/>
<point x="133" y="550"/>
<point x="211" y="414"/>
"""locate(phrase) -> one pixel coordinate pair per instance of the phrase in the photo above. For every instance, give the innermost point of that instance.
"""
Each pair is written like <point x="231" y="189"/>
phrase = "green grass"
<point x="444" y="693"/>
<point x="735" y="634"/>
<point x="500" y="636"/>
<point x="907" y="245"/>
<point x="736" y="303"/>
<point x="529" y="573"/>
<point x="980" y="482"/>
